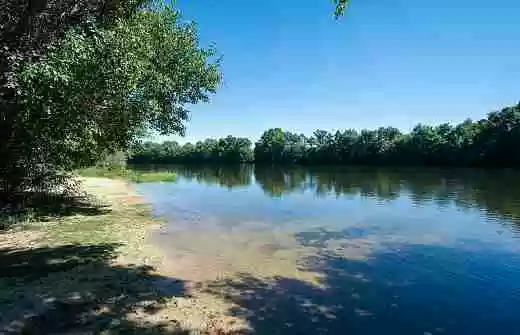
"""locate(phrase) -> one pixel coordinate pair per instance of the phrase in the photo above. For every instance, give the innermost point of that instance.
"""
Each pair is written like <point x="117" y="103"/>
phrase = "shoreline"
<point x="99" y="264"/>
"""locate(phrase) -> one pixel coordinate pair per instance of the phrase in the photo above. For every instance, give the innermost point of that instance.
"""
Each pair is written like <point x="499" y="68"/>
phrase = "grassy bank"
<point x="87" y="268"/>
<point x="130" y="175"/>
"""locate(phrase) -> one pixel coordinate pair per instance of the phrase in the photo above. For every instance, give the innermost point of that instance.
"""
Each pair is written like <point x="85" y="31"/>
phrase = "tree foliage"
<point x="489" y="142"/>
<point x="93" y="86"/>
<point x="225" y="150"/>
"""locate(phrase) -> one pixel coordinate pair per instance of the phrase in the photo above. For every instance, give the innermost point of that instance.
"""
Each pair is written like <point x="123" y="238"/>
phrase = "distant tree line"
<point x="493" y="141"/>
<point x="225" y="150"/>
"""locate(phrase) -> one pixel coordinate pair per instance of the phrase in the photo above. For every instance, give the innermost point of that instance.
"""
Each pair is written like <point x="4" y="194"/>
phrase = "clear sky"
<point x="289" y="64"/>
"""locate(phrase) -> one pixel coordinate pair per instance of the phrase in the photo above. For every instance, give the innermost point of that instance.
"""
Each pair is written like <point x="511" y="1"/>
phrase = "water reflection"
<point x="227" y="176"/>
<point x="496" y="192"/>
<point x="348" y="250"/>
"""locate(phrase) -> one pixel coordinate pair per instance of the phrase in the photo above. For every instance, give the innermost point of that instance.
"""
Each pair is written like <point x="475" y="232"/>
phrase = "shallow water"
<point x="348" y="250"/>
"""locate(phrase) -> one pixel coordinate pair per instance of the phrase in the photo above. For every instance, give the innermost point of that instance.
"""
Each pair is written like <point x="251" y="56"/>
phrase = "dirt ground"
<point x="86" y="268"/>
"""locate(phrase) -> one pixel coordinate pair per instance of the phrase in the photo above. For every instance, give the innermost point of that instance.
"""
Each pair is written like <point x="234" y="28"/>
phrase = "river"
<point x="348" y="250"/>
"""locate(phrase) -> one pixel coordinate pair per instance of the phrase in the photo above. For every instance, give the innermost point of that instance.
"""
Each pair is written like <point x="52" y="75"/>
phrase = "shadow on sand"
<point x="43" y="206"/>
<point x="419" y="290"/>
<point x="77" y="289"/>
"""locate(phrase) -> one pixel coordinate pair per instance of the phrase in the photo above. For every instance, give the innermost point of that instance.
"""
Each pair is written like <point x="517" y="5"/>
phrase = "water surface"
<point x="349" y="250"/>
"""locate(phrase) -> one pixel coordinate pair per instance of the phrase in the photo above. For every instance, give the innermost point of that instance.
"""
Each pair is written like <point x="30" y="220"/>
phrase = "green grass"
<point x="150" y="177"/>
<point x="131" y="175"/>
<point x="105" y="173"/>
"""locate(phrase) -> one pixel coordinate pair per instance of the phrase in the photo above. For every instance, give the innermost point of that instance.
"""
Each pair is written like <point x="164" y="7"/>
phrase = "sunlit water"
<point x="349" y="250"/>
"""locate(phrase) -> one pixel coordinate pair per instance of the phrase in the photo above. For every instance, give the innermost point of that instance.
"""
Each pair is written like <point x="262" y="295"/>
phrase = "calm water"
<point x="349" y="250"/>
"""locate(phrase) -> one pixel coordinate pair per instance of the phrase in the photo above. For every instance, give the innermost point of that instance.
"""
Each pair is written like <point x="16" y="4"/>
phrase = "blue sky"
<point x="289" y="64"/>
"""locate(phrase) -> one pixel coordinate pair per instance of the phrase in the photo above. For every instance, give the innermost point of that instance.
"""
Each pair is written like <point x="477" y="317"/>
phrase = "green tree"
<point x="29" y="30"/>
<point x="235" y="150"/>
<point x="225" y="150"/>
<point x="102" y="88"/>
<point x="270" y="147"/>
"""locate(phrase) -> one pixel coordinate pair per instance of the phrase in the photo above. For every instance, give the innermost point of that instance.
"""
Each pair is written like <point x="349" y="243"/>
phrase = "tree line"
<point x="493" y="141"/>
<point x="225" y="150"/>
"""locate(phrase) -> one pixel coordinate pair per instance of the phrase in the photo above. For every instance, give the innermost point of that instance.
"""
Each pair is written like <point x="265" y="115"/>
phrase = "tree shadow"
<point x="418" y="290"/>
<point x="44" y="206"/>
<point x="80" y="290"/>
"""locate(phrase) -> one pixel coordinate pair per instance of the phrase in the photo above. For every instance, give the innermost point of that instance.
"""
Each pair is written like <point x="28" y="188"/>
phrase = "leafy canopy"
<point x="104" y="87"/>
<point x="107" y="81"/>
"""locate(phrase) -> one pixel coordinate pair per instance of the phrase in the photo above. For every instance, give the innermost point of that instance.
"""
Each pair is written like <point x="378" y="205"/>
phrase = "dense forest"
<point x="493" y="141"/>
<point x="225" y="150"/>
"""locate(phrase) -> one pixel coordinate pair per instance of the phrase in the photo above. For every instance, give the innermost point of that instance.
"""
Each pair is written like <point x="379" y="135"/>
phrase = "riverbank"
<point x="128" y="175"/>
<point x="91" y="269"/>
